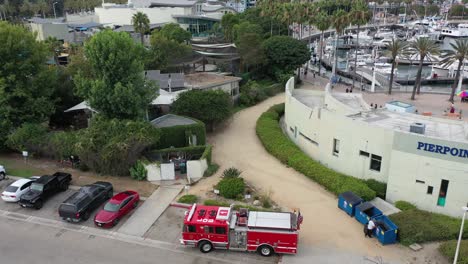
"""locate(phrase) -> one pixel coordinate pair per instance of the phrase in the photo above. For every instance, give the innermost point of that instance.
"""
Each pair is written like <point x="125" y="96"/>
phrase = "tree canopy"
<point x="118" y="89"/>
<point x="208" y="106"/>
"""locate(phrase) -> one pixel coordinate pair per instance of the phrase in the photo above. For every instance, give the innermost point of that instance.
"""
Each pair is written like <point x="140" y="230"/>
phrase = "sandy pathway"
<point x="325" y="225"/>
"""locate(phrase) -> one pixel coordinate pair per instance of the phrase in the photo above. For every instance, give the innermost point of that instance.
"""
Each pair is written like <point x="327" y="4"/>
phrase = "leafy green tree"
<point x="458" y="53"/>
<point x="322" y="22"/>
<point x="248" y="39"/>
<point x="174" y="32"/>
<point x="394" y="49"/>
<point x="118" y="89"/>
<point x="166" y="48"/>
<point x="211" y="107"/>
<point x="55" y="48"/>
<point x="228" y="21"/>
<point x="423" y="47"/>
<point x="26" y="87"/>
<point x="359" y="15"/>
<point x="457" y="10"/>
<point x="141" y="23"/>
<point x="29" y="136"/>
<point x="284" y="54"/>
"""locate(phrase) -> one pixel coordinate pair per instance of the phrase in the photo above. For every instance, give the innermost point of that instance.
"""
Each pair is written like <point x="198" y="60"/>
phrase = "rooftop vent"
<point x="418" y="128"/>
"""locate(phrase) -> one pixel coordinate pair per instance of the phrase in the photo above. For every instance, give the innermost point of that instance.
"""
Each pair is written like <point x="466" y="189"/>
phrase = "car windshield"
<point x="37" y="187"/>
<point x="111" y="207"/>
<point x="11" y="189"/>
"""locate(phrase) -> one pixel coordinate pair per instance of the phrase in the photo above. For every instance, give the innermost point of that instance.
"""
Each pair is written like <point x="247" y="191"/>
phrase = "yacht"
<point x="383" y="67"/>
<point x="458" y="32"/>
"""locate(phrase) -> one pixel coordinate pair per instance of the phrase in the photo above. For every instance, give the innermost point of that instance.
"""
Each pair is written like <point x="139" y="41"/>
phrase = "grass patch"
<point x="20" y="168"/>
<point x="418" y="226"/>
<point x="216" y="203"/>
<point x="448" y="248"/>
<point x="279" y="145"/>
<point x="188" y="199"/>
<point x="212" y="169"/>
<point x="404" y="205"/>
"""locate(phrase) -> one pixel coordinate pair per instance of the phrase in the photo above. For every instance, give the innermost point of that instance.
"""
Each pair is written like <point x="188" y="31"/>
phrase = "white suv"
<point x="2" y="173"/>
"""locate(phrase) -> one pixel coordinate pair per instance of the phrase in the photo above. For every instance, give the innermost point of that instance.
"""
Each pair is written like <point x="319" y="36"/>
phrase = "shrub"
<point x="207" y="153"/>
<point x="231" y="173"/>
<point x="138" y="171"/>
<point x="216" y="203"/>
<point x="254" y="92"/>
<point x="63" y="144"/>
<point x="418" y="226"/>
<point x="266" y="202"/>
<point x="188" y="199"/>
<point x="279" y="145"/>
<point x="30" y="137"/>
<point x="231" y="187"/>
<point x="380" y="188"/>
<point x="212" y="169"/>
<point x="404" y="206"/>
<point x="448" y="250"/>
<point x="178" y="136"/>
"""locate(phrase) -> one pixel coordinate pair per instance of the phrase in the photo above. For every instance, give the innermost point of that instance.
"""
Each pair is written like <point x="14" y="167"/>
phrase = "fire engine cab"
<point x="214" y="227"/>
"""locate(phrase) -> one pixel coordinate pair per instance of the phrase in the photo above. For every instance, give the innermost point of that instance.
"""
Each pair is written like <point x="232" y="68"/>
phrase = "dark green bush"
<point x="138" y="171"/>
<point x="63" y="144"/>
<point x="418" y="226"/>
<point x="178" y="136"/>
<point x="380" y="188"/>
<point x="207" y="153"/>
<point x="254" y="92"/>
<point x="279" y="145"/>
<point x="231" y="173"/>
<point x="231" y="187"/>
<point x="448" y="250"/>
<point x="216" y="203"/>
<point x="30" y="137"/>
<point x="404" y="205"/>
<point x="188" y="199"/>
<point x="212" y="169"/>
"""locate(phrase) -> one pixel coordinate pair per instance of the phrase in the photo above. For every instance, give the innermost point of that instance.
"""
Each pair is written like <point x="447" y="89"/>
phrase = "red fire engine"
<point x="209" y="227"/>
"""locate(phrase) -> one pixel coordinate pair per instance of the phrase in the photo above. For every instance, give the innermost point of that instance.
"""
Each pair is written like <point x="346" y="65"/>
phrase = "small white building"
<point x="423" y="160"/>
<point x="45" y="28"/>
<point x="214" y="81"/>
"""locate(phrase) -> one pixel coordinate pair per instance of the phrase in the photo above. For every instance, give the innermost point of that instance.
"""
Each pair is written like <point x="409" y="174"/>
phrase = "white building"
<point x="427" y="167"/>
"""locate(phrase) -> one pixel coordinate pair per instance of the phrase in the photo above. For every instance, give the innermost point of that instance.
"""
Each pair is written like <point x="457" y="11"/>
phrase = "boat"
<point x="448" y="71"/>
<point x="414" y="60"/>
<point x="458" y="32"/>
<point x="383" y="67"/>
<point x="382" y="42"/>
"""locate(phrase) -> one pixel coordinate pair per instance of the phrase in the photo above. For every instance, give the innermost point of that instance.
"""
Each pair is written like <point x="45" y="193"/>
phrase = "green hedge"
<point x="448" y="250"/>
<point x="236" y="206"/>
<point x="418" y="226"/>
<point x="279" y="145"/>
<point x="195" y="151"/>
<point x="404" y="205"/>
<point x="207" y="153"/>
<point x="380" y="188"/>
<point x="178" y="136"/>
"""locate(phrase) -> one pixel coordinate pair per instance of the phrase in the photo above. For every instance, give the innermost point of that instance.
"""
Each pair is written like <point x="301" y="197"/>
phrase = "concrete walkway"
<point x="149" y="212"/>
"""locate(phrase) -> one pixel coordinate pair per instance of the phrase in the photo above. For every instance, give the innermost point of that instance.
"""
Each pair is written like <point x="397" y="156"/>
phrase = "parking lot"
<point x="168" y="228"/>
<point x="50" y="208"/>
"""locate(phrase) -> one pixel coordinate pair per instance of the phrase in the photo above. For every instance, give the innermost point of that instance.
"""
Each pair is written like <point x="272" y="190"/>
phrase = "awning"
<point x="81" y="106"/>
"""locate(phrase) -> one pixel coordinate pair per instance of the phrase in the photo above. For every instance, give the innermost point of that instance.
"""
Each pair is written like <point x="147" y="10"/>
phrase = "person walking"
<point x="370" y="228"/>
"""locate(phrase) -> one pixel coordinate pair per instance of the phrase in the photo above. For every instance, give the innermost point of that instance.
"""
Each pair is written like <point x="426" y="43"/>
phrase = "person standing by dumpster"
<point x="370" y="228"/>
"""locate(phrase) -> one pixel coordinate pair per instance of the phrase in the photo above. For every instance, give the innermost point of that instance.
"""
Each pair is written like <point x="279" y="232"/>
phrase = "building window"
<point x="442" y="193"/>
<point x="363" y="153"/>
<point x="419" y="181"/>
<point x="430" y="189"/>
<point x="376" y="162"/>
<point x="336" y="147"/>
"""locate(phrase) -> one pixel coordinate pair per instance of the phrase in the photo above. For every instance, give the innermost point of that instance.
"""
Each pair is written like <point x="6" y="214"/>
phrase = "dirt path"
<point x="325" y="225"/>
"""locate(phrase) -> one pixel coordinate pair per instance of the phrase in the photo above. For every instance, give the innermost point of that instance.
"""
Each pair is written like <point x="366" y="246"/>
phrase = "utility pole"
<point x="455" y="259"/>
<point x="53" y="7"/>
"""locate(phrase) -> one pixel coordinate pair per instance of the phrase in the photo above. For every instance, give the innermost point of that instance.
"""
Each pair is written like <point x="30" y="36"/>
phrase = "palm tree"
<point x="424" y="47"/>
<point x="322" y="22"/>
<point x="140" y="23"/>
<point x="458" y="53"/>
<point x="340" y="21"/>
<point x="359" y="15"/>
<point x="394" y="49"/>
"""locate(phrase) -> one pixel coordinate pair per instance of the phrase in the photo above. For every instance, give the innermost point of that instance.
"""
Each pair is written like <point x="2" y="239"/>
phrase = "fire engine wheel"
<point x="205" y="246"/>
<point x="265" y="251"/>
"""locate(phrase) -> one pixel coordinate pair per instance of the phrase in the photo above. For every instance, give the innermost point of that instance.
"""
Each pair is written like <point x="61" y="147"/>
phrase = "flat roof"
<point x="205" y="80"/>
<point x="207" y="214"/>
<point x="171" y="120"/>
<point x="269" y="220"/>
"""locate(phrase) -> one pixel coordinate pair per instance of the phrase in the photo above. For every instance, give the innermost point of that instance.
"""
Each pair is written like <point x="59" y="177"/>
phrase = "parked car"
<point x="120" y="205"/>
<point x="45" y="187"/>
<point x="2" y="172"/>
<point x="14" y="192"/>
<point x="79" y="205"/>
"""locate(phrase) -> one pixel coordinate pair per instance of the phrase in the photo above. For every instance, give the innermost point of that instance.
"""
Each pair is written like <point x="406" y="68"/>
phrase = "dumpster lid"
<point x="350" y="197"/>
<point x="365" y="206"/>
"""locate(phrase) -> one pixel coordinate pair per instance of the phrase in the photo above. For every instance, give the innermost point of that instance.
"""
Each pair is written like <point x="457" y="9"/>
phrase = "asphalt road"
<point x="32" y="243"/>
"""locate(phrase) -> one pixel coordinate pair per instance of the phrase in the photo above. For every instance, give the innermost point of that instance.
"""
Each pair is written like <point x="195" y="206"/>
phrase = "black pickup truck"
<point x="45" y="187"/>
<point x="80" y="204"/>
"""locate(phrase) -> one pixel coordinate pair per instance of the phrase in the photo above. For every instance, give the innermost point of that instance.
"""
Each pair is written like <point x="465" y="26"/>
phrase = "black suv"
<point x="43" y="188"/>
<point x="80" y="204"/>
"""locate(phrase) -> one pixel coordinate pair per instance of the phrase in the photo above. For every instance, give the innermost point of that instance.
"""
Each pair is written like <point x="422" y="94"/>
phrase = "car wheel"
<point x="115" y="222"/>
<point x="205" y="246"/>
<point x="135" y="204"/>
<point x="265" y="251"/>
<point x="2" y="176"/>
<point x="38" y="204"/>
<point x="85" y="216"/>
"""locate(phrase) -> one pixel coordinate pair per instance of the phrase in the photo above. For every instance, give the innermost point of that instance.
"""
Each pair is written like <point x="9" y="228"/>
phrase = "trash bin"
<point x="348" y="201"/>
<point x="385" y="231"/>
<point x="366" y="211"/>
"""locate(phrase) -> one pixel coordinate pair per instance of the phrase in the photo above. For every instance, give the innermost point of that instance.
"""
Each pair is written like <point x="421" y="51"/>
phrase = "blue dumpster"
<point x="385" y="231"/>
<point x="366" y="211"/>
<point x="348" y="201"/>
